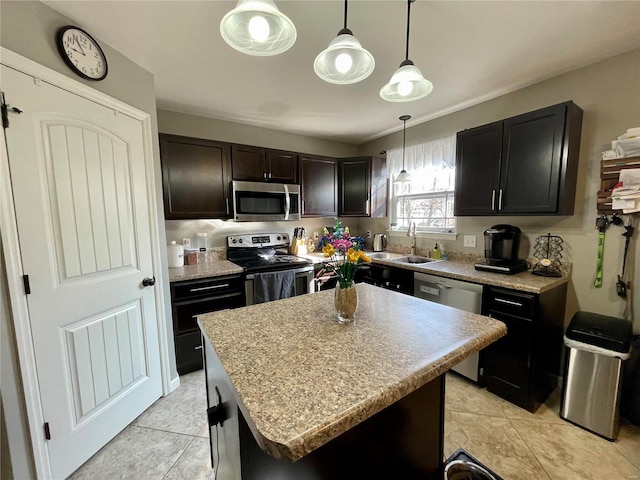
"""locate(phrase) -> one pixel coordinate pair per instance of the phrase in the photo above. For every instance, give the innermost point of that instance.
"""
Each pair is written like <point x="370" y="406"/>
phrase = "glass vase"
<point x="346" y="302"/>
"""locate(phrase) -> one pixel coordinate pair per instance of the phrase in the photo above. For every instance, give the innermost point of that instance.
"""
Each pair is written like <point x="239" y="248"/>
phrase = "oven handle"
<point x="306" y="269"/>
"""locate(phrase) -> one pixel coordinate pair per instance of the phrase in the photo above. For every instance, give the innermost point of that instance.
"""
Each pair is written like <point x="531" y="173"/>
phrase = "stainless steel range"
<point x="270" y="272"/>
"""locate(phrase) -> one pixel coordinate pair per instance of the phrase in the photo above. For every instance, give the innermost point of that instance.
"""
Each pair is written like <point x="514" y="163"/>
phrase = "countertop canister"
<point x="175" y="255"/>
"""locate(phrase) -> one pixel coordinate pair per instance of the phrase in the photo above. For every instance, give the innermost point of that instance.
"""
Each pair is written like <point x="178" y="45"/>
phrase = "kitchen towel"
<point x="273" y="286"/>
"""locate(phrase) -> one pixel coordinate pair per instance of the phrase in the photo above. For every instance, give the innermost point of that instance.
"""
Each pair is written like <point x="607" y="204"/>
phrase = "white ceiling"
<point x="471" y="51"/>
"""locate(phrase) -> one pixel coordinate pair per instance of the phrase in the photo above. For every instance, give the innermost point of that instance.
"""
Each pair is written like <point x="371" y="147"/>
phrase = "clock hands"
<point x="81" y="49"/>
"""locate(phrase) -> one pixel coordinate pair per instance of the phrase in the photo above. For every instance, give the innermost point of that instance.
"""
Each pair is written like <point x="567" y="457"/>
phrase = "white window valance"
<point x="433" y="154"/>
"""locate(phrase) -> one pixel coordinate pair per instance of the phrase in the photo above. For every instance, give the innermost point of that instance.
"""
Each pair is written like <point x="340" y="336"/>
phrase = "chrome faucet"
<point x="411" y="232"/>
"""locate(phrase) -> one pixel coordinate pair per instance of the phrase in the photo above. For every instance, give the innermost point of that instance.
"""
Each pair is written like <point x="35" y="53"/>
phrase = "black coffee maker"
<point x="501" y="245"/>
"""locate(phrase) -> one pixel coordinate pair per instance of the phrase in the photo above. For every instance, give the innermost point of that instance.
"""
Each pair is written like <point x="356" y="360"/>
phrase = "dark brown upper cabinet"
<point x="257" y="164"/>
<point x="318" y="182"/>
<point x="196" y="175"/>
<point x="524" y="165"/>
<point x="362" y="187"/>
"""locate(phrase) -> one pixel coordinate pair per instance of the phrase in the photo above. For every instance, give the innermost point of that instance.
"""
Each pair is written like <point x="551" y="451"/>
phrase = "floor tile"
<point x="548" y="412"/>
<point x="195" y="464"/>
<point x="568" y="452"/>
<point x="463" y="395"/>
<point x="628" y="442"/>
<point x="494" y="442"/>
<point x="136" y="453"/>
<point x="204" y="431"/>
<point x="171" y="440"/>
<point x="182" y="411"/>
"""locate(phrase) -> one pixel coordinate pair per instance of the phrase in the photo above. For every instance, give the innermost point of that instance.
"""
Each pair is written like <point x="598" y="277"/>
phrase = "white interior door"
<point x="78" y="176"/>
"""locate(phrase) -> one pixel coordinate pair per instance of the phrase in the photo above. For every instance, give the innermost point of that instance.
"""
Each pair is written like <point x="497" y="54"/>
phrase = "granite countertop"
<point x="464" y="270"/>
<point x="301" y="378"/>
<point x="216" y="268"/>
<point x="461" y="270"/>
<point x="523" y="281"/>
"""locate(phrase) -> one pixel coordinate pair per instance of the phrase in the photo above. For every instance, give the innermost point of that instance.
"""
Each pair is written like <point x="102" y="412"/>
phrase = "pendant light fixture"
<point x="257" y="27"/>
<point x="407" y="83"/>
<point x="403" y="176"/>
<point x="344" y="61"/>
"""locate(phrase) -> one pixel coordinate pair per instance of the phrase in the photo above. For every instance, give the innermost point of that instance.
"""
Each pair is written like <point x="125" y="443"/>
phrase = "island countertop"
<point x="301" y="379"/>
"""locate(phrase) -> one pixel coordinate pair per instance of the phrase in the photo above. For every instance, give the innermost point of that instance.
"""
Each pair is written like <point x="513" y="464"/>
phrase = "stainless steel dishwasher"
<point x="453" y="293"/>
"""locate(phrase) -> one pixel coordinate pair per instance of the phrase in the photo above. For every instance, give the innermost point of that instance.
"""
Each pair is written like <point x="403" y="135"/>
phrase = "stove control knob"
<point x="233" y="241"/>
<point x="278" y="238"/>
<point x="240" y="241"/>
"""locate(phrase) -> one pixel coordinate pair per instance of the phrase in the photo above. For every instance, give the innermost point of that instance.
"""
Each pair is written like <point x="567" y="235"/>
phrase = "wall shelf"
<point x="609" y="174"/>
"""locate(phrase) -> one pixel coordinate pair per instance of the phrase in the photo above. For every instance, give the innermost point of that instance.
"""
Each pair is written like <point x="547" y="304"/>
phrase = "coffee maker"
<point x="501" y="245"/>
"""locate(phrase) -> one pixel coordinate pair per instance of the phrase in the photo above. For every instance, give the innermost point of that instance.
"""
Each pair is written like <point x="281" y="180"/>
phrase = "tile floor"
<point x="169" y="441"/>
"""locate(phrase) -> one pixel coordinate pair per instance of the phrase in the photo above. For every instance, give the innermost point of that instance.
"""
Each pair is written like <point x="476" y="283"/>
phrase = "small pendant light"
<point x="344" y="61"/>
<point x="257" y="27"/>
<point x="403" y="176"/>
<point x="407" y="83"/>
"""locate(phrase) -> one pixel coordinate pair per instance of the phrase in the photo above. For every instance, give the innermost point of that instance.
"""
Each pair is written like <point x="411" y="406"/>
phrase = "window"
<point x="428" y="198"/>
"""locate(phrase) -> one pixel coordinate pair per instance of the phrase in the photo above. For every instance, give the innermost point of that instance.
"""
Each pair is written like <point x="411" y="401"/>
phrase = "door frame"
<point x="13" y="255"/>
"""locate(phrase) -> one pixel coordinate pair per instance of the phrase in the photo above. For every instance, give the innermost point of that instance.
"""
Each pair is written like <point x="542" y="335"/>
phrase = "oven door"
<point x="304" y="283"/>
<point x="259" y="202"/>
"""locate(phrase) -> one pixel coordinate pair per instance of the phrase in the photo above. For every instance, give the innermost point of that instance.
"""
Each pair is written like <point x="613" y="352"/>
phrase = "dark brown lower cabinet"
<point x="191" y="298"/>
<point x="524" y="366"/>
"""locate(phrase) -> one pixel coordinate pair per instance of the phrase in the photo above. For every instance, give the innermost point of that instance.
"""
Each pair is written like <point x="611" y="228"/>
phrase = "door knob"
<point x="148" y="282"/>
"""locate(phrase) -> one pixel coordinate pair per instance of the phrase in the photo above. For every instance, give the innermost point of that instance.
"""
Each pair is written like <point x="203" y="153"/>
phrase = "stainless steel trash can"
<point x="597" y="346"/>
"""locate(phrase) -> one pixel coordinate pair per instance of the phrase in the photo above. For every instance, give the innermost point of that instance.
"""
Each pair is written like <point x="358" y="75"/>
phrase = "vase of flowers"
<point x="346" y="256"/>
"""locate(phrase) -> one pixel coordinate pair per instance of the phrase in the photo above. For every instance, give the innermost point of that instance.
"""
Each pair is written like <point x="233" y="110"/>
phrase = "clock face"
<point x="82" y="53"/>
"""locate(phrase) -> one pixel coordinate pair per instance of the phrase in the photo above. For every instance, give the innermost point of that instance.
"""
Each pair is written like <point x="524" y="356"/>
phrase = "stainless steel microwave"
<point x="262" y="202"/>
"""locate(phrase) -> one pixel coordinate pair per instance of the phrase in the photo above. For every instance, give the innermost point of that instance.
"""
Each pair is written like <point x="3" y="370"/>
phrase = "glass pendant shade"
<point x="406" y="84"/>
<point x="257" y="27"/>
<point x="403" y="177"/>
<point x="344" y="61"/>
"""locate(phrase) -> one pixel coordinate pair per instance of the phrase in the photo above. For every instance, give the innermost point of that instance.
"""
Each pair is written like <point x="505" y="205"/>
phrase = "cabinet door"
<point x="195" y="176"/>
<point x="379" y="187"/>
<point x="531" y="162"/>
<point x="248" y="163"/>
<point x="319" y="177"/>
<point x="478" y="170"/>
<point x="507" y="361"/>
<point x="354" y="187"/>
<point x="282" y="167"/>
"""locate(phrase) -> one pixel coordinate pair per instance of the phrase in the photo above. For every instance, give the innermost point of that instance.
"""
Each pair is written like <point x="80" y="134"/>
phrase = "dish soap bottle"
<point x="436" y="253"/>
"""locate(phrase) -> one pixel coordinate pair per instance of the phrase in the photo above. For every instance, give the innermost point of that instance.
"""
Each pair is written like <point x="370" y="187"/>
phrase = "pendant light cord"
<point x="404" y="140"/>
<point x="345" y="14"/>
<point x="408" y="23"/>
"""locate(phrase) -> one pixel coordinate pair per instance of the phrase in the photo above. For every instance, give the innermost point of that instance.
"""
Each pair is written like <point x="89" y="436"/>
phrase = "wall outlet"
<point x="470" y="241"/>
<point x="368" y="233"/>
<point x="316" y="236"/>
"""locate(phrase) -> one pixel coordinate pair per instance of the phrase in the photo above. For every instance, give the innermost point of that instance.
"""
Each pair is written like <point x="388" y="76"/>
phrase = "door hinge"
<point x="47" y="432"/>
<point x="5" y="112"/>
<point x="27" y="285"/>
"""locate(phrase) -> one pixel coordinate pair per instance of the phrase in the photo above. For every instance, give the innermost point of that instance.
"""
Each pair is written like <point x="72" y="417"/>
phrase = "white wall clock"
<point x="82" y="53"/>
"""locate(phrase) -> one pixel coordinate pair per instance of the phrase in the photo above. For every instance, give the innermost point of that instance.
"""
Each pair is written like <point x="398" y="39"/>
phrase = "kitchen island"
<point x="294" y="394"/>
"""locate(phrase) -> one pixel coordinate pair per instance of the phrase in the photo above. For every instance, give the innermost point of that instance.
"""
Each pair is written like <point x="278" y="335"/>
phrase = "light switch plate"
<point x="470" y="241"/>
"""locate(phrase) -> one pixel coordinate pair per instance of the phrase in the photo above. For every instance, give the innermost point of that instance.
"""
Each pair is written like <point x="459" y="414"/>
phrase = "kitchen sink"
<point x="381" y="255"/>
<point x="415" y="260"/>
